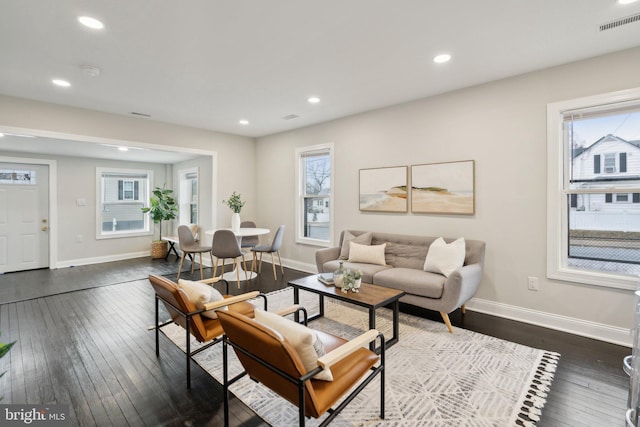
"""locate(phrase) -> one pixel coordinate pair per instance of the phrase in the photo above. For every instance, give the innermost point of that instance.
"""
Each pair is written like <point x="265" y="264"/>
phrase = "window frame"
<point x="185" y="185"/>
<point x="300" y="153"/>
<point x="558" y="168"/>
<point x="147" y="230"/>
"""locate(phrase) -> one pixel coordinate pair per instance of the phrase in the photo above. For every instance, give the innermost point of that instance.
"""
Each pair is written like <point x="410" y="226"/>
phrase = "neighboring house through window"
<point x="121" y="195"/>
<point x="594" y="190"/>
<point x="314" y="206"/>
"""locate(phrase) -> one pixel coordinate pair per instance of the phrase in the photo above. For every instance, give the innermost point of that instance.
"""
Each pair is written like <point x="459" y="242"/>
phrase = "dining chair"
<point x="225" y="245"/>
<point x="189" y="246"/>
<point x="272" y="248"/>
<point x="249" y="241"/>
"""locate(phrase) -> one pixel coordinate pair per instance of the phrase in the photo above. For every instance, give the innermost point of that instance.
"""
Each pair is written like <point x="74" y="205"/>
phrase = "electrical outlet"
<point x="532" y="283"/>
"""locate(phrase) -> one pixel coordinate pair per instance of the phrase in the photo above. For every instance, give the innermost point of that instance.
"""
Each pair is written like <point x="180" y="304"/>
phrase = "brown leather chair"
<point x="184" y="313"/>
<point x="268" y="358"/>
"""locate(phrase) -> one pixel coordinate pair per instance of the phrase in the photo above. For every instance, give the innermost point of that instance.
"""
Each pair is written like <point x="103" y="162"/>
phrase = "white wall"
<point x="500" y="125"/>
<point x="233" y="153"/>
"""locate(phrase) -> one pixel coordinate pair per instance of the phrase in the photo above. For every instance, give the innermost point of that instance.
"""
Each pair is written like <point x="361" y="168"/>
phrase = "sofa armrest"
<point x="461" y="286"/>
<point x="325" y="255"/>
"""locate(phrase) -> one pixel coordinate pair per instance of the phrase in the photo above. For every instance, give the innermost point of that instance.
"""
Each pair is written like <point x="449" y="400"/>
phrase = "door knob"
<point x="45" y="228"/>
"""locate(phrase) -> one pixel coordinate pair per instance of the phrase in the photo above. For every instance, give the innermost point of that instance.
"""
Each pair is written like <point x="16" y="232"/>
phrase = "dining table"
<point x="240" y="233"/>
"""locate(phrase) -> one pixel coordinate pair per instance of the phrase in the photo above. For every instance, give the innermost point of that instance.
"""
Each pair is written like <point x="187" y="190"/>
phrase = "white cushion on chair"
<point x="200" y="294"/>
<point x="304" y="339"/>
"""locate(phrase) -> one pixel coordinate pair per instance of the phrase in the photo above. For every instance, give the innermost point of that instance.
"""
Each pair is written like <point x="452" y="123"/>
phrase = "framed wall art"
<point x="443" y="188"/>
<point x="384" y="189"/>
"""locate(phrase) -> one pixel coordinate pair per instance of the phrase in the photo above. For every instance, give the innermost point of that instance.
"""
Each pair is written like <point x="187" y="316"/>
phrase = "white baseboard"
<point x="585" y="328"/>
<point x="99" y="260"/>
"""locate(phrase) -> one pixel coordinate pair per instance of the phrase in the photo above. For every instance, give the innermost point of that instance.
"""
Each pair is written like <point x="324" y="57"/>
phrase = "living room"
<point x="501" y="125"/>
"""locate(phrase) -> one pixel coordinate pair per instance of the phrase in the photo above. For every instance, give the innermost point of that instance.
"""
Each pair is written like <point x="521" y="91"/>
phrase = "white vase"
<point x="235" y="222"/>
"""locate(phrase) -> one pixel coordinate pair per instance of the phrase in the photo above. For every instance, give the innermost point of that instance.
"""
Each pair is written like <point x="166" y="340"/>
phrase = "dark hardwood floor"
<point x="90" y="348"/>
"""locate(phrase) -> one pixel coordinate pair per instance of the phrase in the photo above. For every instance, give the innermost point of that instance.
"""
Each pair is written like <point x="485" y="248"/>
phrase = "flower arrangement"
<point x="235" y="203"/>
<point x="351" y="281"/>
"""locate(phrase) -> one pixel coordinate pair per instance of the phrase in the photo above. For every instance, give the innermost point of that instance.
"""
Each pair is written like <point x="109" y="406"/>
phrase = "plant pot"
<point x="159" y="249"/>
<point x="235" y="222"/>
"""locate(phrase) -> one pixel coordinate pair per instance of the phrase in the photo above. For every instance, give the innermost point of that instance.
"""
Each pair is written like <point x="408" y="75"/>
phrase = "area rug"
<point x="433" y="378"/>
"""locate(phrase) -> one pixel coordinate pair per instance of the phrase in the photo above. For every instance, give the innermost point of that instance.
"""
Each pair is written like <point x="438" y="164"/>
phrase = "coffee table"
<point x="370" y="297"/>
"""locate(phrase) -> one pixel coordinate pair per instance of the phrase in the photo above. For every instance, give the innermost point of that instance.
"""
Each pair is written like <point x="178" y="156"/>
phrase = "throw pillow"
<point x="303" y="339"/>
<point x="445" y="258"/>
<point x="373" y="254"/>
<point x="200" y="294"/>
<point x="363" y="239"/>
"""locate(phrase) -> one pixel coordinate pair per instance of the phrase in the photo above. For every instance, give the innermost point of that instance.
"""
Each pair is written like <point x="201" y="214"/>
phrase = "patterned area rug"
<point x="433" y="378"/>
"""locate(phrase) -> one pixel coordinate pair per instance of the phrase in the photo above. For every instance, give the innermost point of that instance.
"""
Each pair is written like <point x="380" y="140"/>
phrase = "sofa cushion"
<point x="363" y="239"/>
<point x="412" y="281"/>
<point x="406" y="255"/>
<point x="368" y="270"/>
<point x="367" y="254"/>
<point x="445" y="258"/>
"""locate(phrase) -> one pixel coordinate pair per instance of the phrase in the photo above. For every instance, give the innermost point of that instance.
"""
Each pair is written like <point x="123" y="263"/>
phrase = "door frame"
<point x="53" y="206"/>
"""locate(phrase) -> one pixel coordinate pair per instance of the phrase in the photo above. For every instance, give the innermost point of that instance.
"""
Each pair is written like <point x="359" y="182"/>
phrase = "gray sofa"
<point x="405" y="256"/>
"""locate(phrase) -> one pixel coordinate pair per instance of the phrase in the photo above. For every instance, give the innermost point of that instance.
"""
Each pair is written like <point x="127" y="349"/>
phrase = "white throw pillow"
<point x="373" y="254"/>
<point x="303" y="339"/>
<point x="200" y="294"/>
<point x="363" y="239"/>
<point x="445" y="258"/>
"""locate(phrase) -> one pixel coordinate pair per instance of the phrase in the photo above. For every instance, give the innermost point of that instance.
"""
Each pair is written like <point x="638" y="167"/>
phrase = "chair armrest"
<point x="231" y="300"/>
<point x="287" y="310"/>
<point x="211" y="280"/>
<point x="346" y="349"/>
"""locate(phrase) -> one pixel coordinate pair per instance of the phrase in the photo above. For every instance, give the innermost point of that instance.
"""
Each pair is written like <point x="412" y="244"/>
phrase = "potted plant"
<point x="235" y="203"/>
<point x="162" y="207"/>
<point x="4" y="349"/>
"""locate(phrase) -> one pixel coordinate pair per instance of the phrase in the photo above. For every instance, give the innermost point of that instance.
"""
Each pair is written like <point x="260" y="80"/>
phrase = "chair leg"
<point x="201" y="273"/>
<point x="273" y="265"/>
<point x="215" y="267"/>
<point x="260" y="265"/>
<point x="463" y="309"/>
<point x="184" y="254"/>
<point x="253" y="262"/>
<point x="244" y="264"/>
<point x="237" y="266"/>
<point x="447" y="322"/>
<point x="211" y="257"/>
<point x="280" y="262"/>
<point x="193" y="262"/>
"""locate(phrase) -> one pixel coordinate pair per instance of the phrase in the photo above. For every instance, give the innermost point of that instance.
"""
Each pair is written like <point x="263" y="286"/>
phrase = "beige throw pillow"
<point x="445" y="258"/>
<point x="303" y="339"/>
<point x="372" y="254"/>
<point x="363" y="239"/>
<point x="200" y="294"/>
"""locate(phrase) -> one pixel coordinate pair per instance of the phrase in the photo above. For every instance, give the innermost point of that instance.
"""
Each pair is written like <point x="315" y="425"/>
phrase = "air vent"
<point x="290" y="117"/>
<point x="140" y="114"/>
<point x="620" y="22"/>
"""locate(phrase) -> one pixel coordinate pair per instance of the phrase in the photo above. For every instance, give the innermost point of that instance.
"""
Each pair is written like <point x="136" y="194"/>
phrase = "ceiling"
<point x="210" y="63"/>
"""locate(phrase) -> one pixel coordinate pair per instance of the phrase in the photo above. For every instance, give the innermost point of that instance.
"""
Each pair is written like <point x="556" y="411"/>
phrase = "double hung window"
<point x="594" y="190"/>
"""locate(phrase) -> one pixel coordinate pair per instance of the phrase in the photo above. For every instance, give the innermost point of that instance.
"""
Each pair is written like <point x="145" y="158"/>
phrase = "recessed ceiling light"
<point x="445" y="57"/>
<point x="626" y="1"/>
<point x="243" y="122"/>
<point x="90" y="22"/>
<point x="123" y="149"/>
<point x="60" y="82"/>
<point x="313" y="100"/>
<point x="1" y="134"/>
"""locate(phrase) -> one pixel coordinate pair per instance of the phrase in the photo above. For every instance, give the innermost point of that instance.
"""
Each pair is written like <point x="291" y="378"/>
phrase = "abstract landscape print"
<point x="443" y="188"/>
<point x="384" y="189"/>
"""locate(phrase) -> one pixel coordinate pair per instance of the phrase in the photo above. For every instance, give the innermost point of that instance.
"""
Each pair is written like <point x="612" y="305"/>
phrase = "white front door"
<point x="24" y="217"/>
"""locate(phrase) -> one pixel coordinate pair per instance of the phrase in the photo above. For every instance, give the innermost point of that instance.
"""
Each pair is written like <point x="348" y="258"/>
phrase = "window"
<point x="593" y="193"/>
<point x="314" y="207"/>
<point x="188" y="196"/>
<point x="122" y="194"/>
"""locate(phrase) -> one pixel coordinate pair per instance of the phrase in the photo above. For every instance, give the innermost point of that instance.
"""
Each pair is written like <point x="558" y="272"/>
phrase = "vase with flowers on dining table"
<point x="235" y="203"/>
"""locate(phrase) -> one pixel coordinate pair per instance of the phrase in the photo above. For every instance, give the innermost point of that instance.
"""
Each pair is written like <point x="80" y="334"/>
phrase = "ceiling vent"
<point x="290" y="117"/>
<point x="620" y="22"/>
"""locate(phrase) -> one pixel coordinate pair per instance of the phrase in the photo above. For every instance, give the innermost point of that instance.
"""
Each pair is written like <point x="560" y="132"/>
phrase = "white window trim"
<point x="300" y="191"/>
<point x="181" y="174"/>
<point x="149" y="225"/>
<point x="557" y="267"/>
